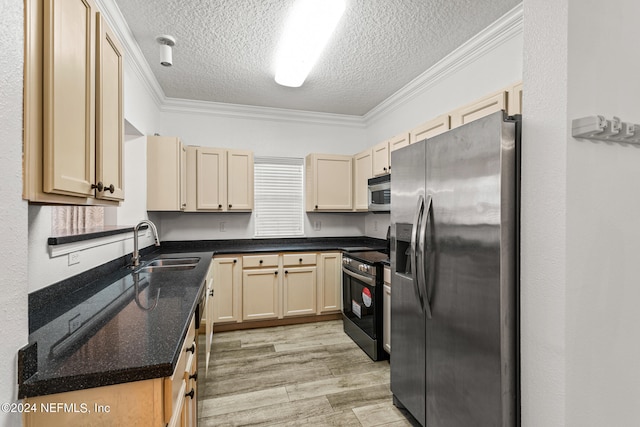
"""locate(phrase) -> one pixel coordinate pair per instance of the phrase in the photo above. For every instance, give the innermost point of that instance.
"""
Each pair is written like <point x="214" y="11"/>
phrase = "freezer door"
<point x="470" y="241"/>
<point x="407" y="316"/>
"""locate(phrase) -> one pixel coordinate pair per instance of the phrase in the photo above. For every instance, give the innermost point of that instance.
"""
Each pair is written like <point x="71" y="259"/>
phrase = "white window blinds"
<point x="278" y="197"/>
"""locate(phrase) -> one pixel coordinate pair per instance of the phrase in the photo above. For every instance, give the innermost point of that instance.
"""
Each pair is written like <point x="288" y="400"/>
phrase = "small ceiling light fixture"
<point x="166" y="55"/>
<point x="307" y="30"/>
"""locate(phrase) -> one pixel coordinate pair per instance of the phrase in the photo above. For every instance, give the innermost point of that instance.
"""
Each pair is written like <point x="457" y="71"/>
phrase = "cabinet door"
<point x="183" y="177"/>
<point x="209" y="315"/>
<point x="227" y="290"/>
<point x="240" y="180"/>
<point x="514" y="100"/>
<point x="260" y="294"/>
<point x="109" y="113"/>
<point x="329" y="182"/>
<point x="166" y="162"/>
<point x="431" y="128"/>
<point x="396" y="142"/>
<point x="381" y="159"/>
<point x="211" y="175"/>
<point x="299" y="291"/>
<point x="481" y="108"/>
<point x="69" y="97"/>
<point x="363" y="170"/>
<point x="329" y="282"/>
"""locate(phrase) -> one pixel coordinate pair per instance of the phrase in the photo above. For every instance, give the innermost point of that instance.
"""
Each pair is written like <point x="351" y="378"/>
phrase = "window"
<point x="278" y="197"/>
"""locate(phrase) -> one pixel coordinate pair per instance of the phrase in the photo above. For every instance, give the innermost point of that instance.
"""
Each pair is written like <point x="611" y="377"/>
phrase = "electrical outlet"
<point x="74" y="258"/>
<point x="375" y="225"/>
<point x="74" y="323"/>
<point x="317" y="225"/>
<point x="223" y="226"/>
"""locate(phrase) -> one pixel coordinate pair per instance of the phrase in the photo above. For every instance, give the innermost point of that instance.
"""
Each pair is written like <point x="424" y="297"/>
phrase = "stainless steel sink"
<point x="169" y="264"/>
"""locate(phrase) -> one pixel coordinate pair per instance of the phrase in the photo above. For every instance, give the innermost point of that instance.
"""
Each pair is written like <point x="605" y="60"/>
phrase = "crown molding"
<point x="133" y="55"/>
<point x="238" y="111"/>
<point x="505" y="28"/>
<point x="502" y="30"/>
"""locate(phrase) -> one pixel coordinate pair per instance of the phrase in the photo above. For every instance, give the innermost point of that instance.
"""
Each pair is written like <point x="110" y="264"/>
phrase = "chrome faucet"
<point x="136" y="255"/>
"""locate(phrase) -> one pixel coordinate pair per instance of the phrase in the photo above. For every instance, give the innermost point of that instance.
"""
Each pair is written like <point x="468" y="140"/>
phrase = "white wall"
<point x="580" y="230"/>
<point x="494" y="70"/>
<point x="143" y="114"/>
<point x="13" y="214"/>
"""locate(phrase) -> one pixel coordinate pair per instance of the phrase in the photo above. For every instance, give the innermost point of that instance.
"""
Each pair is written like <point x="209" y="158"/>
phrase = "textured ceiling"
<point x="225" y="49"/>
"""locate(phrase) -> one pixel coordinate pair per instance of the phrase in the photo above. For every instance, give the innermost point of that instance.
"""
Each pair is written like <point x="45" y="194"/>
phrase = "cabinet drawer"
<point x="387" y="275"/>
<point x="268" y="260"/>
<point x="290" y="260"/>
<point x="175" y="385"/>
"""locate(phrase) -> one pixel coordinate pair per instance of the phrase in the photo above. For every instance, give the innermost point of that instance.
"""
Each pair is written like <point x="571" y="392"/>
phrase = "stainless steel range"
<point x="362" y="285"/>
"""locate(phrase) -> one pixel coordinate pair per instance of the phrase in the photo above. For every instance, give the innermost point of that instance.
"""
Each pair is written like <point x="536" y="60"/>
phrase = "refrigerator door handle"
<point x="414" y="253"/>
<point x="421" y="258"/>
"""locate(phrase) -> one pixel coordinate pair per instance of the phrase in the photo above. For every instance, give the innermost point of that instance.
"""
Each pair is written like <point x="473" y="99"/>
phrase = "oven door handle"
<point x="368" y="280"/>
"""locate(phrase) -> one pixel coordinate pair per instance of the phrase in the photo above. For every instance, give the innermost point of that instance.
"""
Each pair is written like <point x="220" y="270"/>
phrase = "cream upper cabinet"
<point x="362" y="171"/>
<point x="381" y="158"/>
<point x="109" y="113"/>
<point x="329" y="282"/>
<point x="382" y="153"/>
<point x="481" y="108"/>
<point x="239" y="180"/>
<point x="514" y="101"/>
<point x="219" y="180"/>
<point x="431" y="128"/>
<point x="166" y="174"/>
<point x="227" y="289"/>
<point x="329" y="182"/>
<point x="73" y="116"/>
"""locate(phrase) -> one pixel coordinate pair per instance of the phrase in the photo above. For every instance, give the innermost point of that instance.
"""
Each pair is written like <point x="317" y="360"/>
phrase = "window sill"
<point x="79" y="239"/>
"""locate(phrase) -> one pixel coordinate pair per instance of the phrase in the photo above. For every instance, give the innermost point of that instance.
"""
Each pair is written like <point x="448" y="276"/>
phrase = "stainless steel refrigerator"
<point x="454" y="285"/>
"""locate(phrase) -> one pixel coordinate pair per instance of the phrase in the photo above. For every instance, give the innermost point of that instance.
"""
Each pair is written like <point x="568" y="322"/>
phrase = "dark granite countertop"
<point x="111" y="330"/>
<point x="103" y="326"/>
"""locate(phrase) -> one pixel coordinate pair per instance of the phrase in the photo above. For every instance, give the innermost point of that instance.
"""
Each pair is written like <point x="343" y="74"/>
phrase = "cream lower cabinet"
<point x="260" y="287"/>
<point x="227" y="289"/>
<point x="157" y="402"/>
<point x="329" y="282"/>
<point x="208" y="317"/>
<point x="299" y="291"/>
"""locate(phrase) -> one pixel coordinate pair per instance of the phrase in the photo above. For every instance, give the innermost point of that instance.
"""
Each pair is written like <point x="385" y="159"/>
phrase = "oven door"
<point x="360" y="301"/>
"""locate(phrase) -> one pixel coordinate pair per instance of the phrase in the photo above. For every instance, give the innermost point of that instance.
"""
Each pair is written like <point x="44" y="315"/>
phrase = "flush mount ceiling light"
<point x="166" y="55"/>
<point x="307" y="30"/>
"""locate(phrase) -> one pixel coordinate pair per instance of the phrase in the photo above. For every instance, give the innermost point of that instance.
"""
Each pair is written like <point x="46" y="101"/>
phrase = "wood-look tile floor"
<point x="311" y="374"/>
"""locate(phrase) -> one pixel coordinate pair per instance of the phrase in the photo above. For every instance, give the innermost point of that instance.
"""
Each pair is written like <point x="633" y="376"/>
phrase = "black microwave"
<point x="380" y="194"/>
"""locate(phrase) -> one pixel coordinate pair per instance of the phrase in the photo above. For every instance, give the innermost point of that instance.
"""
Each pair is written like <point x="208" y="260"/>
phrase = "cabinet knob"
<point x="286" y="272"/>
<point x="111" y="188"/>
<point x="194" y="377"/>
<point x="300" y="260"/>
<point x="219" y="206"/>
<point x="191" y="349"/>
<point x="275" y="272"/>
<point x="99" y="186"/>
<point x="389" y="168"/>
<point x="230" y="206"/>
<point x="316" y="206"/>
<point x="235" y="260"/>
<point x="191" y="394"/>
<point x="384" y="169"/>
<point x="211" y="293"/>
